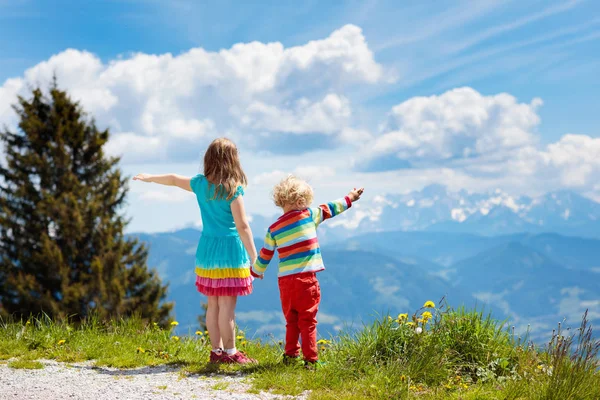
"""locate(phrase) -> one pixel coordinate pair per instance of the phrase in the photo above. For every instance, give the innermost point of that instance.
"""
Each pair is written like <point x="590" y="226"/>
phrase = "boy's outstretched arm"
<point x="264" y="258"/>
<point x="331" y="209"/>
<point x="180" y="181"/>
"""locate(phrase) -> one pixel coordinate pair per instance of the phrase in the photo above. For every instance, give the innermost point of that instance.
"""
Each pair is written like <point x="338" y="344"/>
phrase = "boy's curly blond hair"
<point x="292" y="191"/>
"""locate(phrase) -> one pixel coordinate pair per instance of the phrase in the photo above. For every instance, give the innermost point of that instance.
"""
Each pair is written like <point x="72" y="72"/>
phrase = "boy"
<point x="294" y="236"/>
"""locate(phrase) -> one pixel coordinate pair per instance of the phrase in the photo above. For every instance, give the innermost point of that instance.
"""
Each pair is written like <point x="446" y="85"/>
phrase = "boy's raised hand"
<point x="355" y="194"/>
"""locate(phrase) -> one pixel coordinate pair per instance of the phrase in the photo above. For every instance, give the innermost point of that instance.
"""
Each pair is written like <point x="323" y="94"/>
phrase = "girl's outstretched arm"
<point x="243" y="227"/>
<point x="180" y="181"/>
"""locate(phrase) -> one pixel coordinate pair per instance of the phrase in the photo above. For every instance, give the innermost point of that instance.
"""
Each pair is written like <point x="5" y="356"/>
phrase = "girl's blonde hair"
<point x="292" y="191"/>
<point x="223" y="169"/>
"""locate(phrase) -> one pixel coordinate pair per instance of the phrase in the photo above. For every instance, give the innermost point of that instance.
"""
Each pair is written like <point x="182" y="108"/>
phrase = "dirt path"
<point x="84" y="381"/>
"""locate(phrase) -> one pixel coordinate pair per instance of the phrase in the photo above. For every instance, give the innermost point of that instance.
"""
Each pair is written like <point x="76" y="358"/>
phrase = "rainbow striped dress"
<point x="222" y="263"/>
<point x="294" y="236"/>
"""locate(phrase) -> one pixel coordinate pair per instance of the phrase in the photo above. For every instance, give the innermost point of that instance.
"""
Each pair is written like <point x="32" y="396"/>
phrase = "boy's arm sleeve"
<point x="264" y="257"/>
<point x="331" y="209"/>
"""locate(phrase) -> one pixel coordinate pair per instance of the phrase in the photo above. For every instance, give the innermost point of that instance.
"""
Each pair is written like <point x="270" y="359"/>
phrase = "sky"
<point x="390" y="95"/>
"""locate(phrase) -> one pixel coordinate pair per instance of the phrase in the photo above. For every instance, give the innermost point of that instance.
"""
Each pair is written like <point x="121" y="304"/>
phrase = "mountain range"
<point x="393" y="260"/>
<point x="437" y="209"/>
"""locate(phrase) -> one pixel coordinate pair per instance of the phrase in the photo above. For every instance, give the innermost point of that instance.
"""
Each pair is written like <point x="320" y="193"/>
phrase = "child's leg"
<point x="308" y="306"/>
<point x="287" y="293"/>
<point x="292" y="333"/>
<point x="212" y="322"/>
<point x="227" y="321"/>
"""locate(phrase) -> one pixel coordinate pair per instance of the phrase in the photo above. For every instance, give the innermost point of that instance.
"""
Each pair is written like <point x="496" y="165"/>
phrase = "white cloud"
<point x="173" y="196"/>
<point x="8" y="96"/>
<point x="571" y="162"/>
<point x="326" y="116"/>
<point x="459" y="124"/>
<point x="181" y="101"/>
<point x="134" y="147"/>
<point x="311" y="173"/>
<point x="267" y="178"/>
<point x="576" y="157"/>
<point x="355" y="136"/>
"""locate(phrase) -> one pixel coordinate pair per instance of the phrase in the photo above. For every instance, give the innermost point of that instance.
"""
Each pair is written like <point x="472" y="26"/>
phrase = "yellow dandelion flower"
<point x="420" y="320"/>
<point x="448" y="386"/>
<point x="61" y="342"/>
<point x="427" y="315"/>
<point x="140" y="350"/>
<point x="174" y="323"/>
<point x="322" y="341"/>
<point x="206" y="332"/>
<point x="429" y="304"/>
<point x="465" y="386"/>
<point x="28" y="323"/>
<point x="175" y="338"/>
<point x="323" y="348"/>
<point x="540" y="367"/>
<point x="239" y="337"/>
<point x="244" y="343"/>
<point x="199" y="333"/>
<point x="412" y="387"/>
<point x="402" y="378"/>
<point x="155" y="323"/>
<point x="410" y="323"/>
<point x="402" y="317"/>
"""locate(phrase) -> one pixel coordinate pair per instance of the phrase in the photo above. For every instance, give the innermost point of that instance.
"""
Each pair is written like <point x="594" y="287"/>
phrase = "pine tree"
<point x="62" y="247"/>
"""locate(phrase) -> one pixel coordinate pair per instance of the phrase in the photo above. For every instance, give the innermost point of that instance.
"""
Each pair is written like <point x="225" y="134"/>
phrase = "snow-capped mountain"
<point x="435" y="208"/>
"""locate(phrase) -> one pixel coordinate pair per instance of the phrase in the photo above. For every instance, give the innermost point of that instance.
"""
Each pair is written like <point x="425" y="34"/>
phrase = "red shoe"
<point x="216" y="358"/>
<point x="238" y="358"/>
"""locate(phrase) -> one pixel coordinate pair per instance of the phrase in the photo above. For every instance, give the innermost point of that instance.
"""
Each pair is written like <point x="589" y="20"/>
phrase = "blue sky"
<point x="333" y="102"/>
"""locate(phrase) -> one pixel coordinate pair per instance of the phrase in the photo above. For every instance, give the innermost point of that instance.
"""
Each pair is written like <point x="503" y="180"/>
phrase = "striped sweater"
<point x="294" y="236"/>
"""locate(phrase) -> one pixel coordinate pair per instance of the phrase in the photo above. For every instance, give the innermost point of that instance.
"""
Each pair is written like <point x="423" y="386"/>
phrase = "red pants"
<point x="300" y="297"/>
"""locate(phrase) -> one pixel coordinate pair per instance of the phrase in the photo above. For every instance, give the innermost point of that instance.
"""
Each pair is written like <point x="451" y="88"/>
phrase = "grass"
<point x="25" y="364"/>
<point x="220" y="386"/>
<point x="458" y="354"/>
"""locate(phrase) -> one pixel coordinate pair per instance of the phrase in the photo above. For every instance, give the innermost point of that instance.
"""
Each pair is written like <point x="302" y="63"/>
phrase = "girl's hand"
<point x="143" y="177"/>
<point x="355" y="194"/>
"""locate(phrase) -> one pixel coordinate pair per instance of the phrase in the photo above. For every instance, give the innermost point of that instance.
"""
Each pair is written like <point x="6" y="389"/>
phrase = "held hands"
<point x="355" y="194"/>
<point x="257" y="277"/>
<point x="143" y="177"/>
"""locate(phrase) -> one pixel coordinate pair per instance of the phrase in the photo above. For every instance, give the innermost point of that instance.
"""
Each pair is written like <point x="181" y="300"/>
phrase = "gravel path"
<point x="84" y="381"/>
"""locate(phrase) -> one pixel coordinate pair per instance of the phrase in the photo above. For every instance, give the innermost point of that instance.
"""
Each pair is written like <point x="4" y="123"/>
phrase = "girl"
<point x="226" y="248"/>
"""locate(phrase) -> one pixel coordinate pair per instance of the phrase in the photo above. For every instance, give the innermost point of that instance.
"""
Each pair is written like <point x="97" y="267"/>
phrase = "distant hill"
<point x="531" y="279"/>
<point x="529" y="287"/>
